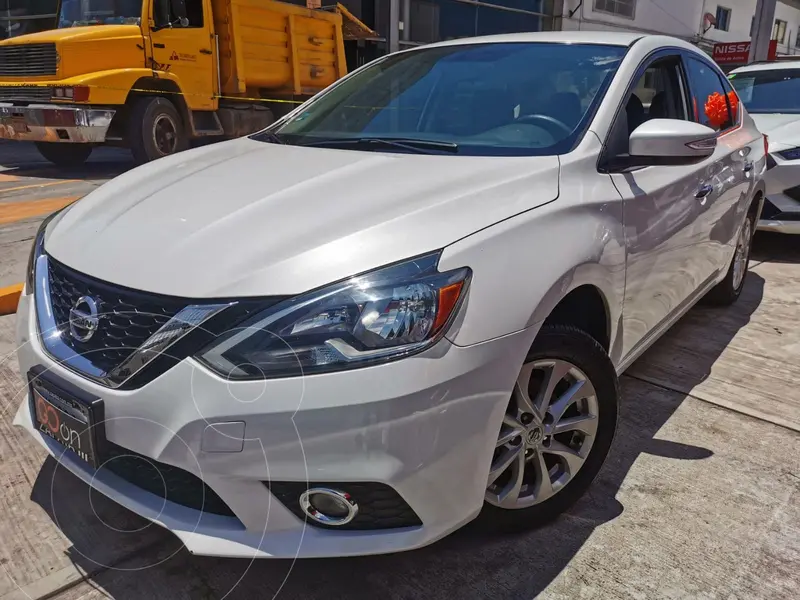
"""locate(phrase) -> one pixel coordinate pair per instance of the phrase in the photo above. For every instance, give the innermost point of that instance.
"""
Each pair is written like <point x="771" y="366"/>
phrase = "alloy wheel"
<point x="546" y="436"/>
<point x="742" y="254"/>
<point x="165" y="134"/>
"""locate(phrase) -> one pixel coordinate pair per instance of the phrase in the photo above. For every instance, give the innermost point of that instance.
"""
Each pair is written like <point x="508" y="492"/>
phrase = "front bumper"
<point x="781" y="211"/>
<point x="425" y="426"/>
<point x="51" y="123"/>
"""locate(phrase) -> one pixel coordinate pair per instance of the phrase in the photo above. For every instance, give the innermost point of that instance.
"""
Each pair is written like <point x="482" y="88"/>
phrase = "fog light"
<point x="328" y="506"/>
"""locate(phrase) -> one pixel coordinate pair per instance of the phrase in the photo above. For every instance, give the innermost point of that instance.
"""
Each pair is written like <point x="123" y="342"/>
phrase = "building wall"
<point x="680" y="18"/>
<point x="741" y="18"/>
<point x="684" y="18"/>
<point x="18" y="17"/>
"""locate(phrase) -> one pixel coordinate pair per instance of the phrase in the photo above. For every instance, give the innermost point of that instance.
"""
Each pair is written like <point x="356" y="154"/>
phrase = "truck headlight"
<point x="383" y="315"/>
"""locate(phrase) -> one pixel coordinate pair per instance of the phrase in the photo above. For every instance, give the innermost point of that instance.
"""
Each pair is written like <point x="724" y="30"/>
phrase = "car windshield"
<point x="499" y="99"/>
<point x="76" y="13"/>
<point x="773" y="91"/>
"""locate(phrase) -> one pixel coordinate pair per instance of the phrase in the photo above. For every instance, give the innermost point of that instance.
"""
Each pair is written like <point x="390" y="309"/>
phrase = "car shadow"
<point x="775" y="247"/>
<point x="102" y="169"/>
<point x="467" y="564"/>
<point x="22" y="159"/>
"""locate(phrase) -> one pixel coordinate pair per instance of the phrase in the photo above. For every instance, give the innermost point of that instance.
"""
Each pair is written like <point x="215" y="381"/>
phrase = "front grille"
<point x="28" y="60"/>
<point x="379" y="506"/>
<point x="163" y="480"/>
<point x="25" y="94"/>
<point x="128" y="317"/>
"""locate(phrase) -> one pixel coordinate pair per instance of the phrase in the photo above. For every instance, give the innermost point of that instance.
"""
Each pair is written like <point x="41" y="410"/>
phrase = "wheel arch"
<point x="583" y="272"/>
<point x="586" y="308"/>
<point x="757" y="203"/>
<point x="169" y="89"/>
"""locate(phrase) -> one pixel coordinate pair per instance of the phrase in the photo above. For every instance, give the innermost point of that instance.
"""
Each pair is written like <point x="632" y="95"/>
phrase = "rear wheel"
<point x="556" y="432"/>
<point x="155" y="129"/>
<point x="65" y="154"/>
<point x="728" y="290"/>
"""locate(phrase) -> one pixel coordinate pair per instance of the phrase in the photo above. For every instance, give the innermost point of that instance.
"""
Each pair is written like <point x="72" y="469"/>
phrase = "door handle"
<point x="205" y="51"/>
<point x="159" y="46"/>
<point x="704" y="191"/>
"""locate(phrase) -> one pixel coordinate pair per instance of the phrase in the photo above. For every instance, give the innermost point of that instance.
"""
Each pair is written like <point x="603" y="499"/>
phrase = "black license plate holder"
<point x="67" y="415"/>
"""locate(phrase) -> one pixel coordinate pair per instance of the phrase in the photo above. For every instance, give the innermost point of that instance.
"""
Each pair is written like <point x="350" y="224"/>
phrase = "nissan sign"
<point x="737" y="53"/>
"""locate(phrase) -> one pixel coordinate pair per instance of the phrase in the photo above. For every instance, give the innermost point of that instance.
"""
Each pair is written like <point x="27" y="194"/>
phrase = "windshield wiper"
<point x="409" y="144"/>
<point x="269" y="136"/>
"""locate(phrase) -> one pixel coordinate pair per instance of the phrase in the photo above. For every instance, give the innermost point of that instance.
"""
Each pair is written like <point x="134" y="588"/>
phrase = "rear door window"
<point x="712" y="99"/>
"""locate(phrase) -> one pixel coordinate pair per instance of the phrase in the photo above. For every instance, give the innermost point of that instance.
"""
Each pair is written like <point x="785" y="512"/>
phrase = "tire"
<point x="727" y="291"/>
<point x="155" y="129"/>
<point x="65" y="154"/>
<point x="564" y="346"/>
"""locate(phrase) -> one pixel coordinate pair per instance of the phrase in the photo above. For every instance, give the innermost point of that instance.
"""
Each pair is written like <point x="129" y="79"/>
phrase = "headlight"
<point x="382" y="315"/>
<point x="36" y="251"/>
<point x="791" y="154"/>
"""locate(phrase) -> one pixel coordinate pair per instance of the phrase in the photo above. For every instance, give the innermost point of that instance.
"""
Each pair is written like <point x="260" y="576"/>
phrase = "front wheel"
<point x="556" y="432"/>
<point x="155" y="129"/>
<point x="728" y="290"/>
<point x="65" y="154"/>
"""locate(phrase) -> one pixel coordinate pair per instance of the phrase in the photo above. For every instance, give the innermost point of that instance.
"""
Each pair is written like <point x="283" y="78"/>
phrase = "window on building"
<point x="622" y="8"/>
<point x="779" y="31"/>
<point x="20" y="17"/>
<point x="724" y="18"/>
<point x="752" y="25"/>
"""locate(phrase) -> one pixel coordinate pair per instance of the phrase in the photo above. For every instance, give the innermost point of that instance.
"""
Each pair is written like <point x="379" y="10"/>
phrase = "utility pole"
<point x="393" y="39"/>
<point x="763" y="21"/>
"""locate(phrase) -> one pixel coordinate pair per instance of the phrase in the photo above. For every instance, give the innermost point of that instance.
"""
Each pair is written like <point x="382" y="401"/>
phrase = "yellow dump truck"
<point x="154" y="75"/>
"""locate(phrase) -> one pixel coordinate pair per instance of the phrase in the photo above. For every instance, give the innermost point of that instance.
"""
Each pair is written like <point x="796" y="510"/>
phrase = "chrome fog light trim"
<point x="338" y="499"/>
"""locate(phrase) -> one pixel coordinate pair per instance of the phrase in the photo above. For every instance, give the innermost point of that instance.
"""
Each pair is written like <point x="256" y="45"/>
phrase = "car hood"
<point x="781" y="129"/>
<point x="248" y="218"/>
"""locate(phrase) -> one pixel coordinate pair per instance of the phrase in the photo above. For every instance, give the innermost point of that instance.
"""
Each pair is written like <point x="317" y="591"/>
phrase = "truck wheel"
<point x="156" y="129"/>
<point x="64" y="154"/>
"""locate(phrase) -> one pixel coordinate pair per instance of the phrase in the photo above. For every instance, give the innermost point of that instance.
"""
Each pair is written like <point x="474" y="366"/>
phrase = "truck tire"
<point x="155" y="129"/>
<point x="64" y="154"/>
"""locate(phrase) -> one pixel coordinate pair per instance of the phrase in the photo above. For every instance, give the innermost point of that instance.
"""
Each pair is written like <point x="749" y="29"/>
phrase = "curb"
<point x="9" y="298"/>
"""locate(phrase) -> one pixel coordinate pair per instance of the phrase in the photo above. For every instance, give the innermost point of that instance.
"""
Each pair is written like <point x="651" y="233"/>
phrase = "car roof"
<point x="769" y="66"/>
<point x="565" y="37"/>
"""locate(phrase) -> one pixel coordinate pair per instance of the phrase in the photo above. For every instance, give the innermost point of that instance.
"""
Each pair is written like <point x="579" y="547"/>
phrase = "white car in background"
<point x="771" y="93"/>
<point x="402" y="307"/>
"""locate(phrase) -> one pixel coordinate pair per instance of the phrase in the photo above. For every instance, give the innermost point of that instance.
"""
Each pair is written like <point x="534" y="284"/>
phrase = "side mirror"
<point x="671" y="142"/>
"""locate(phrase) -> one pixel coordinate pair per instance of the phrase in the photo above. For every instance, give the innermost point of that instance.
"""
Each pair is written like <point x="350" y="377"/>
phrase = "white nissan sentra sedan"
<point x="402" y="307"/>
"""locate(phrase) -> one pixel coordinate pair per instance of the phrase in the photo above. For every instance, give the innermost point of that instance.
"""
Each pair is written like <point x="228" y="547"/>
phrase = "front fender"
<point x="524" y="266"/>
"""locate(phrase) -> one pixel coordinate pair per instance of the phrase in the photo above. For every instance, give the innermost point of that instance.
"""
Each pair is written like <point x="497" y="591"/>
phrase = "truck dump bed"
<point x="269" y="48"/>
